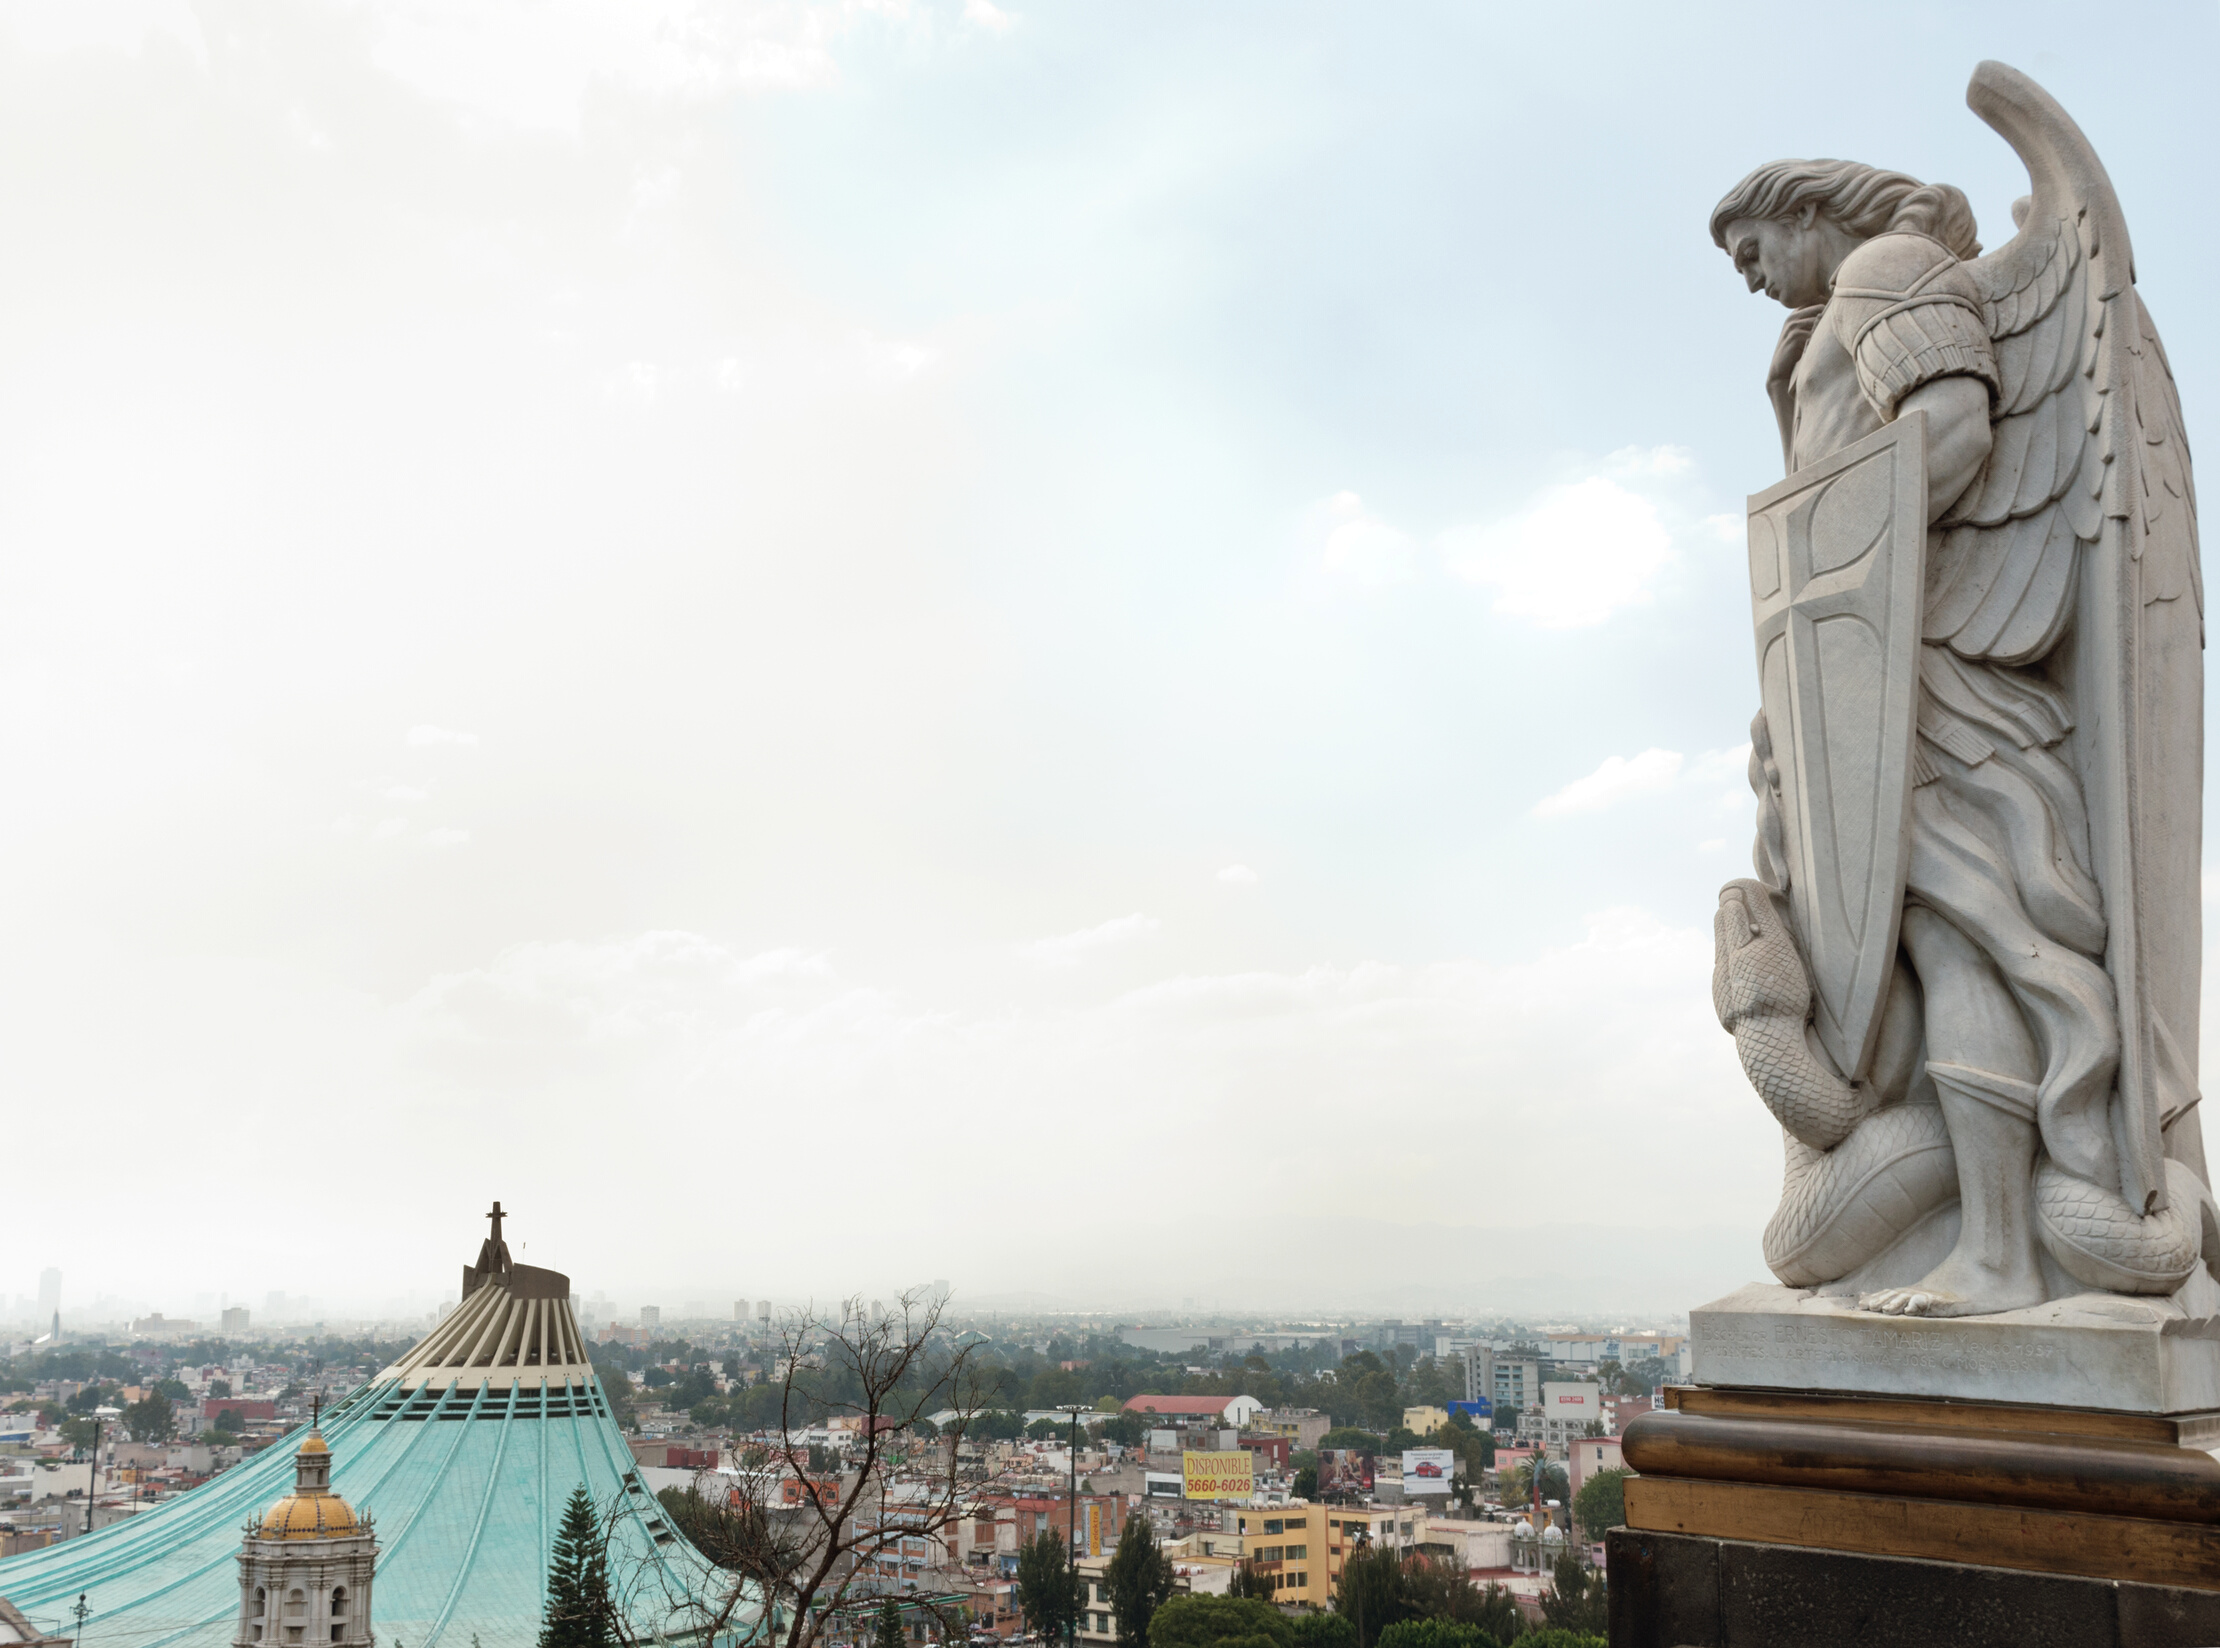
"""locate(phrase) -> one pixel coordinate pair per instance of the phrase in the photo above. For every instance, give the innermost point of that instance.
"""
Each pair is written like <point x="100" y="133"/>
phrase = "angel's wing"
<point x="2078" y="548"/>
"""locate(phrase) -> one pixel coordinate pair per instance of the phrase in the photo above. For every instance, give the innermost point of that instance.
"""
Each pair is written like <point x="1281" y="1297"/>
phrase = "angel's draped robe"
<point x="2000" y="835"/>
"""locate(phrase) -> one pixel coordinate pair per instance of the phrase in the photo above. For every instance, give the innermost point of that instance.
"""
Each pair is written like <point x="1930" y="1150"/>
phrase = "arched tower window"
<point x="260" y="1596"/>
<point x="339" y="1602"/>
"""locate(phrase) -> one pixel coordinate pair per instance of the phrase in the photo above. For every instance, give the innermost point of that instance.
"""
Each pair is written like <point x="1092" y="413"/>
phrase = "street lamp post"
<point x="1071" y="1521"/>
<point x="92" y="1476"/>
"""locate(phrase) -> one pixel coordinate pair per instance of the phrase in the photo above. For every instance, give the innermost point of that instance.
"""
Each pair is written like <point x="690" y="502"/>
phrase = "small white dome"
<point x="1553" y="1535"/>
<point x="1525" y="1529"/>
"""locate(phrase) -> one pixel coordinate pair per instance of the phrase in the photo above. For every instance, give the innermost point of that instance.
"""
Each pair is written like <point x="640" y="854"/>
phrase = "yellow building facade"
<point x="1287" y="1545"/>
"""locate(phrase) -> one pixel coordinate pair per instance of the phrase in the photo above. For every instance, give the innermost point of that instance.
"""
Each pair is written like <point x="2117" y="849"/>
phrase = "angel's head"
<point x="1788" y="226"/>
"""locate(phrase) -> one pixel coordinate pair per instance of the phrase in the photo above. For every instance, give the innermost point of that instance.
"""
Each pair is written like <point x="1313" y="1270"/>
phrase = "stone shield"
<point x="1837" y="566"/>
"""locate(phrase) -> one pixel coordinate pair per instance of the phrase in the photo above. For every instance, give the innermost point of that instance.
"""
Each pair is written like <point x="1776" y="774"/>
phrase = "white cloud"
<point x="1579" y="554"/>
<point x="1068" y="949"/>
<point x="576" y="992"/>
<point x="1728" y="766"/>
<point x="532" y="63"/>
<point x="986" y="15"/>
<point x="116" y="25"/>
<point x="424" y="737"/>
<point x="1351" y="547"/>
<point x="1617" y="780"/>
<point x="445" y="838"/>
<point x="1238" y="875"/>
<point x="1650" y="461"/>
<point x="1728" y="529"/>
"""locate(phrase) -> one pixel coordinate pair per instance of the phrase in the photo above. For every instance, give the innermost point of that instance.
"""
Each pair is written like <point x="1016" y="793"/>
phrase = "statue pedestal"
<point x="2090" y="1350"/>
<point x="1788" y="1516"/>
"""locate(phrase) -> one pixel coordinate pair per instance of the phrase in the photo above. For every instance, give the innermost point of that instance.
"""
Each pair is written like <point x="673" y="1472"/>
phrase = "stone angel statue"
<point x="1965" y="977"/>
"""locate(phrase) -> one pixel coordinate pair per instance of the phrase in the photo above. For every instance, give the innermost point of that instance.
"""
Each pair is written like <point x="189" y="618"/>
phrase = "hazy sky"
<point x="1090" y="648"/>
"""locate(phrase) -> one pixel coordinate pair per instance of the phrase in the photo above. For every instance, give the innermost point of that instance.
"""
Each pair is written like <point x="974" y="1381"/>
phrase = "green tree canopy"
<point x="1575" y="1601"/>
<point x="1435" y="1633"/>
<point x="1047" y="1587"/>
<point x="1601" y="1503"/>
<point x="889" y="1633"/>
<point x="1139" y="1578"/>
<point x="1246" y="1581"/>
<point x="1372" y="1594"/>
<point x="1127" y="1429"/>
<point x="1444" y="1590"/>
<point x="1213" y="1621"/>
<point x="150" y="1419"/>
<point x="1324" y="1630"/>
<point x="578" y="1610"/>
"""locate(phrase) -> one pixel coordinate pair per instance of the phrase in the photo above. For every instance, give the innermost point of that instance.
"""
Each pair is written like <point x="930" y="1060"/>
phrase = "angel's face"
<point x="1792" y="260"/>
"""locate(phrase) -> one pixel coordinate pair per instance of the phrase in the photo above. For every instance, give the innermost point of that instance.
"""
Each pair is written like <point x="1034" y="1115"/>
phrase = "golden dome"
<point x="309" y="1516"/>
<point x="311" y="1510"/>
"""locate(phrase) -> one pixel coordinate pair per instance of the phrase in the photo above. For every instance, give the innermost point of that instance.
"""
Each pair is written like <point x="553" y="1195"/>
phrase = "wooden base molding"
<point x="2058" y="1491"/>
<point x="2037" y="1541"/>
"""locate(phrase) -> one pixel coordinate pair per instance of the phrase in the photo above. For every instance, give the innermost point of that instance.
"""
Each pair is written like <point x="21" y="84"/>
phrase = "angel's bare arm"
<point x="1958" y="436"/>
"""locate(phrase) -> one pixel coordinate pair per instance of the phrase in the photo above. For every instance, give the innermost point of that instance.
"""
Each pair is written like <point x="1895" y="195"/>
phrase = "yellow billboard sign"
<point x="1229" y="1474"/>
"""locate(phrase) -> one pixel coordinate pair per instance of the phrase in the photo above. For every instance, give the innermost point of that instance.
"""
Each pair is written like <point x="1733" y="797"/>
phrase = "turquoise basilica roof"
<point x="463" y="1455"/>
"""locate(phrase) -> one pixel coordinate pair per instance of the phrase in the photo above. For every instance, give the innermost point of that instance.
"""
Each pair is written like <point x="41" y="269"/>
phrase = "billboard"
<point x="1346" y="1472"/>
<point x="1230" y="1474"/>
<point x="1481" y="1409"/>
<point x="1427" y="1470"/>
<point x="1090" y="1530"/>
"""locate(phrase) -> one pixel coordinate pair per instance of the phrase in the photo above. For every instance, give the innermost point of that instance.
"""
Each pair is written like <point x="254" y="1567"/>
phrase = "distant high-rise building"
<point x="651" y="1316"/>
<point x="763" y="1310"/>
<point x="940" y="1290"/>
<point x="235" y="1319"/>
<point x="739" y="1310"/>
<point x="50" y="1295"/>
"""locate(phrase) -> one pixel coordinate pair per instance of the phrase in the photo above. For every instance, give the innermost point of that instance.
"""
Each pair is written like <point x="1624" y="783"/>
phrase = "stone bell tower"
<point x="305" y="1567"/>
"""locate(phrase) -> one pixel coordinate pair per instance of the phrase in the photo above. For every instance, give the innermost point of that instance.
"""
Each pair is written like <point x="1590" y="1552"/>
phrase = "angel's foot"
<point x="1960" y="1286"/>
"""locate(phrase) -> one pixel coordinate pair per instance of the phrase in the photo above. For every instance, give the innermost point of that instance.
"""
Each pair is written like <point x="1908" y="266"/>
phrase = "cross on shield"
<point x="1837" y="566"/>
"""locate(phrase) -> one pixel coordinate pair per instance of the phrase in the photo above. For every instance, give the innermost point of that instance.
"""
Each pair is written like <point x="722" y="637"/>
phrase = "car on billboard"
<point x="1427" y="1470"/>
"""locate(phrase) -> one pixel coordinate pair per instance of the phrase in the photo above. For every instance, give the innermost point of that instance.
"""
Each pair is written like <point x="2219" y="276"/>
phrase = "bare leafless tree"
<point x="796" y="1547"/>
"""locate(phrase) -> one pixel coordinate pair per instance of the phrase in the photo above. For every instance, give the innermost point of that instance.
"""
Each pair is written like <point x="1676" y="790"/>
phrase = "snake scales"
<point x="1860" y="1173"/>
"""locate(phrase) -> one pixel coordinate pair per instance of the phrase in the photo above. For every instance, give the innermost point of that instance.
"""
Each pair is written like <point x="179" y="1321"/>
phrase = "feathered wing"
<point x="2077" y="550"/>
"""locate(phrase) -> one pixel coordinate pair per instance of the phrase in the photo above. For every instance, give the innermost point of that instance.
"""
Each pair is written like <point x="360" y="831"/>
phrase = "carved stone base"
<point x="2092" y="1350"/>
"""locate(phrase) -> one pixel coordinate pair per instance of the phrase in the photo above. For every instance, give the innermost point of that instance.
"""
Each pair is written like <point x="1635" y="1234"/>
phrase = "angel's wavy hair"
<point x="1863" y="199"/>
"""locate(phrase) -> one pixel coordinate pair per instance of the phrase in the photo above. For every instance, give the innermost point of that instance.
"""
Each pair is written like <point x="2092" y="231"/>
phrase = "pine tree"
<point x="890" y="1626"/>
<point x="1047" y="1590"/>
<point x="577" y="1613"/>
<point x="1140" y="1579"/>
